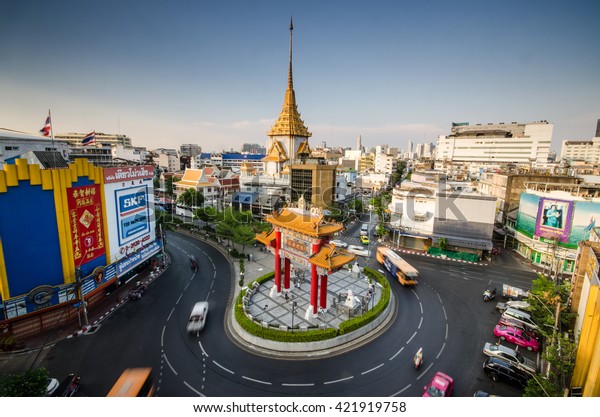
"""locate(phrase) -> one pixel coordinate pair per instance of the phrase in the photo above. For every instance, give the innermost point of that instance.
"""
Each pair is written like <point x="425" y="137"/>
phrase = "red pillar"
<point x="323" y="291"/>
<point x="314" y="281"/>
<point x="286" y="273"/>
<point x="277" y="261"/>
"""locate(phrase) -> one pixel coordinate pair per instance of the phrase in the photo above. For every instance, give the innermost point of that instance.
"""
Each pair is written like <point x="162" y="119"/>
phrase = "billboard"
<point x="568" y="221"/>
<point x="85" y="218"/>
<point x="554" y="219"/>
<point x="129" y="209"/>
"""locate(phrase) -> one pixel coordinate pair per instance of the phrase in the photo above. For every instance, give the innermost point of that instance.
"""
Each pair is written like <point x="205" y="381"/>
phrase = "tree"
<point x="396" y="177"/>
<point x="32" y="383"/>
<point x="242" y="272"/>
<point x="243" y="235"/>
<point x="191" y="198"/>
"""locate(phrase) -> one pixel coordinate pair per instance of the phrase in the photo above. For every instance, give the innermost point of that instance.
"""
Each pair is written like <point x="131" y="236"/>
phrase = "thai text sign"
<point x="85" y="218"/>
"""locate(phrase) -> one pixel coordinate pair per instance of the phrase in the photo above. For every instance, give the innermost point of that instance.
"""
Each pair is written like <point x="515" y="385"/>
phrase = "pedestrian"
<point x="287" y="299"/>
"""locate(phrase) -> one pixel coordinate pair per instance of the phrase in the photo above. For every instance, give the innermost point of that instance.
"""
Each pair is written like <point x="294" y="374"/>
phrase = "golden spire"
<point x="289" y="122"/>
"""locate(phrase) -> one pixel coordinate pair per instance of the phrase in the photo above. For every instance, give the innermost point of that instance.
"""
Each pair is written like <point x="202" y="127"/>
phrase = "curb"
<point x="434" y="256"/>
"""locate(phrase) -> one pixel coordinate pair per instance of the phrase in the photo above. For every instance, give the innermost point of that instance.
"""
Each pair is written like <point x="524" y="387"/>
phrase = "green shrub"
<point x="312" y="335"/>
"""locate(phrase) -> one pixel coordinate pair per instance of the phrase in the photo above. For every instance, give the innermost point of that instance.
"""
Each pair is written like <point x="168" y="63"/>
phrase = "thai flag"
<point x="47" y="127"/>
<point x="90" y="138"/>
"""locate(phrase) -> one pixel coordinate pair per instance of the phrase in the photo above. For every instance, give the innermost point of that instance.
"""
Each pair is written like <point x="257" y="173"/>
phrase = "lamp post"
<point x="294" y="304"/>
<point x="81" y="296"/>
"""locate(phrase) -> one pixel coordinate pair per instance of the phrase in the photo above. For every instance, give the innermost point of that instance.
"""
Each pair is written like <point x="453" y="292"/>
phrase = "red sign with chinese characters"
<point x="85" y="218"/>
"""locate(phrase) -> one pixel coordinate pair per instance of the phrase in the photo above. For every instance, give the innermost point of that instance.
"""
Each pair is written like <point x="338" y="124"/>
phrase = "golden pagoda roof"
<point x="289" y="122"/>
<point x="331" y="258"/>
<point x="266" y="237"/>
<point x="286" y="169"/>
<point x="304" y="222"/>
<point x="303" y="149"/>
<point x="276" y="153"/>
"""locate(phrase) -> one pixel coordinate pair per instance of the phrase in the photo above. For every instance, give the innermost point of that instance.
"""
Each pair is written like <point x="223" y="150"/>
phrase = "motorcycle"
<point x="194" y="263"/>
<point x="418" y="359"/>
<point x="489" y="293"/>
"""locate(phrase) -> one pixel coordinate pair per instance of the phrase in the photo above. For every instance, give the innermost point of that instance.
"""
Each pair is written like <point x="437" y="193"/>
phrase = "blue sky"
<point x="215" y="72"/>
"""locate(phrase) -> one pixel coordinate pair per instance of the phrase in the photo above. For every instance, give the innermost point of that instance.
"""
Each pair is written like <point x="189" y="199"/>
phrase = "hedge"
<point x="313" y="334"/>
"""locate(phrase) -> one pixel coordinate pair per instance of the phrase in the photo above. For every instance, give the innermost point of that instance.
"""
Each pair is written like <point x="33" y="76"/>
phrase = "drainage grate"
<point x="92" y="329"/>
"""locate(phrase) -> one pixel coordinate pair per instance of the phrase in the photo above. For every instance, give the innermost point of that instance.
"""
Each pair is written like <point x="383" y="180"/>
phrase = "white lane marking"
<point x="298" y="385"/>
<point x="421" y="322"/>
<point x="203" y="351"/>
<point x="337" y="380"/>
<point x="197" y="392"/>
<point x="425" y="371"/>
<point x="188" y="284"/>
<point x="256" y="380"/>
<point x="162" y="337"/>
<point x="169" y="363"/>
<point x="171" y="313"/>
<point x="223" y="368"/>
<point x="411" y="338"/>
<point x="441" y="350"/>
<point x="445" y="315"/>
<point x="401" y="391"/>
<point x="439" y="298"/>
<point x="179" y="299"/>
<point x="446" y="337"/>
<point x="421" y="307"/>
<point x="415" y="293"/>
<point x="397" y="353"/>
<point x="372" y="369"/>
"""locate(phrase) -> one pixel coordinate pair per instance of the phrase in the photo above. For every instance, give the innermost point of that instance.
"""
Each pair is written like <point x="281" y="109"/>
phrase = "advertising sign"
<point x="130" y="209"/>
<point x="85" y="218"/>
<point x="554" y="219"/>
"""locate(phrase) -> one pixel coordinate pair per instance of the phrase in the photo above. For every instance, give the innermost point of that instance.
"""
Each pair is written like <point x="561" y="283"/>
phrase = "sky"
<point x="214" y="73"/>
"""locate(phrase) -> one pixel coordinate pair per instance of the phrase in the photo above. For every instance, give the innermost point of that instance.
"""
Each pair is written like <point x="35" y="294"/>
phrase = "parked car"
<point x="339" y="243"/>
<point x="52" y="386"/>
<point x="516" y="336"/>
<point x="519" y="305"/>
<point x="501" y="370"/>
<point x="441" y="385"/>
<point x="481" y="393"/>
<point x="504" y="321"/>
<point x="68" y="387"/>
<point x="364" y="240"/>
<point x="358" y="250"/>
<point x="520" y="316"/>
<point x="510" y="355"/>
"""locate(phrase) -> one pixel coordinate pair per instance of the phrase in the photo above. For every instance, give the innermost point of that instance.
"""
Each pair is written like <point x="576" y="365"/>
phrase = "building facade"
<point x="491" y="145"/>
<point x="552" y="219"/>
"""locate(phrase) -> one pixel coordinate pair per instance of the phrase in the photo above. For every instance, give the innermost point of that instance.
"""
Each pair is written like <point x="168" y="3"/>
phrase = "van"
<point x="520" y="317"/>
<point x="197" y="317"/>
<point x="364" y="230"/>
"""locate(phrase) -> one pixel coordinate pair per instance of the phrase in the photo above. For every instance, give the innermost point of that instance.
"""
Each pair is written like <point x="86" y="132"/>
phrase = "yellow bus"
<point x="134" y="382"/>
<point x="398" y="267"/>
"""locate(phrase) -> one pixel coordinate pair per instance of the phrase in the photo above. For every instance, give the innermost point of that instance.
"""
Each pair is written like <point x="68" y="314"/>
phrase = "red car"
<point x="516" y="336"/>
<point x="441" y="385"/>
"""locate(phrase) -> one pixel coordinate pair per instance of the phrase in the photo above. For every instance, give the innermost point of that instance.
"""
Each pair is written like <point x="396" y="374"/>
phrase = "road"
<point x="445" y="315"/>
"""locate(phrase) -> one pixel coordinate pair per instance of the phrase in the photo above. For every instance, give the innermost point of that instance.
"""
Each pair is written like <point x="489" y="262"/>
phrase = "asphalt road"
<point x="445" y="315"/>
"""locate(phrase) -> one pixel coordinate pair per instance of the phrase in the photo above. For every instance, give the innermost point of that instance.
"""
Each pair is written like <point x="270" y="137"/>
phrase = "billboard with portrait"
<point x="554" y="219"/>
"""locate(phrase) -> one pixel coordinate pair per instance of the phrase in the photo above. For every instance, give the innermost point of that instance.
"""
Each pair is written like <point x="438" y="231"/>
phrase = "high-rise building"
<point x="495" y="144"/>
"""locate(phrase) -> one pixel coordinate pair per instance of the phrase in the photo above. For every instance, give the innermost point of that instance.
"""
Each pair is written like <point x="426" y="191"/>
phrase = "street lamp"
<point x="81" y="296"/>
<point x="294" y="304"/>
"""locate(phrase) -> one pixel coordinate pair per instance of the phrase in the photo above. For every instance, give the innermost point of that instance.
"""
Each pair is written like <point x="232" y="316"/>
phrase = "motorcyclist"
<point x="418" y="359"/>
<point x="193" y="263"/>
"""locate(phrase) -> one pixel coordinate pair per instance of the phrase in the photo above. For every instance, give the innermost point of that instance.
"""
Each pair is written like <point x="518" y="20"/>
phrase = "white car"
<point x="510" y="355"/>
<point x="339" y="243"/>
<point x="358" y="250"/>
<point x="198" y="317"/>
